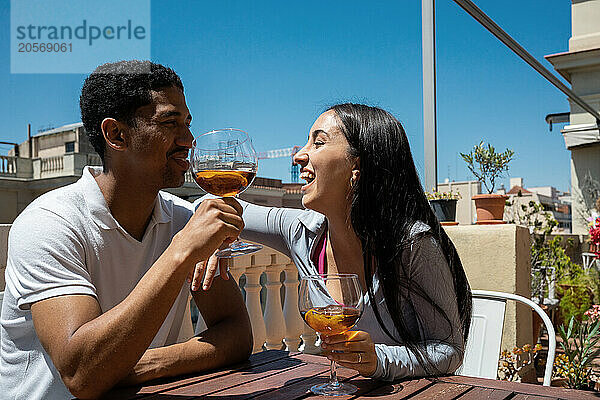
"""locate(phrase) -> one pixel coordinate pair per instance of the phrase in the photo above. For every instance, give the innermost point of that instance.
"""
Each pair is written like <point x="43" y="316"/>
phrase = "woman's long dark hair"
<point x="388" y="176"/>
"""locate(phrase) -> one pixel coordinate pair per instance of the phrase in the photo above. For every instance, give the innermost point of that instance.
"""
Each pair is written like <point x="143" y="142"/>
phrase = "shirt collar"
<point x="162" y="212"/>
<point x="312" y="220"/>
<point x="163" y="209"/>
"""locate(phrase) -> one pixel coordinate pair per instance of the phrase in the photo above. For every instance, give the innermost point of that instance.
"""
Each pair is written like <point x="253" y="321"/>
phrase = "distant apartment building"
<point x="56" y="158"/>
<point x="552" y="200"/>
<point x="580" y="66"/>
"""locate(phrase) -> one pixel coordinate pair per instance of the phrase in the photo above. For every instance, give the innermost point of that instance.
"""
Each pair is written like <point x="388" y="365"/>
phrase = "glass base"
<point x="329" y="389"/>
<point x="238" y="248"/>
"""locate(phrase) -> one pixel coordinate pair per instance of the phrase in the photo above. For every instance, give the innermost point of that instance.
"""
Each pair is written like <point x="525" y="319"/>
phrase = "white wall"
<point x="4" y="228"/>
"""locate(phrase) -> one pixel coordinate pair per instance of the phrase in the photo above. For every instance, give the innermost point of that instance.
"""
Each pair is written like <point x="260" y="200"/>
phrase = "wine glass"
<point x="331" y="304"/>
<point x="224" y="163"/>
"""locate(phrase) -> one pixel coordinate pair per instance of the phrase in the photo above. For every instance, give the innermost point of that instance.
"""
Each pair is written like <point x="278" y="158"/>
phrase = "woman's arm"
<point x="443" y="339"/>
<point x="395" y="362"/>
<point x="271" y="226"/>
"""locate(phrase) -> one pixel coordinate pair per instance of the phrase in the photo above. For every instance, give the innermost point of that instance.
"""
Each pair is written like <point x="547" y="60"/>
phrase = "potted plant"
<point x="518" y="365"/>
<point x="444" y="205"/>
<point x="579" y="342"/>
<point x="487" y="165"/>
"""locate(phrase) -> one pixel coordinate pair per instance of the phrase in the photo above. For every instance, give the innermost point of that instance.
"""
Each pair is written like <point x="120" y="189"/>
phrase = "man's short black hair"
<point x="117" y="90"/>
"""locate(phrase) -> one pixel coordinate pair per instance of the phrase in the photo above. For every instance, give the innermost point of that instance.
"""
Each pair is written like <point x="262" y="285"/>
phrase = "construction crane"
<point x="278" y="153"/>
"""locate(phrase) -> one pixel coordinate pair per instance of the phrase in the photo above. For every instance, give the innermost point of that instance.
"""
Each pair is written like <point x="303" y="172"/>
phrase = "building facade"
<point x="56" y="158"/>
<point x="581" y="67"/>
<point x="553" y="202"/>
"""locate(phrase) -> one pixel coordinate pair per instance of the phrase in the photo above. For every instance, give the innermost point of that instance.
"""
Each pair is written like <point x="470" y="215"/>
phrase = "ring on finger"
<point x="360" y="358"/>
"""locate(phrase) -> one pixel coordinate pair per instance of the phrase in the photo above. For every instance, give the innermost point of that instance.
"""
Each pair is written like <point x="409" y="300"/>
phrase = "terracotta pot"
<point x="490" y="208"/>
<point x="559" y="382"/>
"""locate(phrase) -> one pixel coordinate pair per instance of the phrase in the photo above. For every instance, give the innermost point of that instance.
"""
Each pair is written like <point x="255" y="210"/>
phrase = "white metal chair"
<point x="483" y="346"/>
<point x="589" y="260"/>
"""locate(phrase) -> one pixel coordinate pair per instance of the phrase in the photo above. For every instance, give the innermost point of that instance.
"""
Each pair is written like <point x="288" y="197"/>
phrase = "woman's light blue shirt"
<point x="296" y="233"/>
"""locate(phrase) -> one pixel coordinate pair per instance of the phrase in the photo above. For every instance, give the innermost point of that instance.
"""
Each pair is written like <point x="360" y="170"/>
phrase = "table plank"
<point x="400" y="390"/>
<point x="524" y="388"/>
<point x="136" y="392"/>
<point x="479" y="393"/>
<point x="236" y="378"/>
<point x="442" y="390"/>
<point x="300" y="386"/>
<point x="278" y="374"/>
<point x="270" y="383"/>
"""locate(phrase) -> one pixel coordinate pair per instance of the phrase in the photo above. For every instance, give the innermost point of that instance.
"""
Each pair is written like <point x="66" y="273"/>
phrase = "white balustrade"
<point x="310" y="341"/>
<point x="252" y="287"/>
<point x="294" y="325"/>
<point x="52" y="165"/>
<point x="8" y="165"/>
<point x="93" y="159"/>
<point x="274" y="321"/>
<point x="280" y="326"/>
<point x="189" y="178"/>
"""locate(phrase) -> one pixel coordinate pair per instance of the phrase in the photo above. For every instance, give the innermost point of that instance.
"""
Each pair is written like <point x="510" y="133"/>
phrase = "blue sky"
<point x="271" y="67"/>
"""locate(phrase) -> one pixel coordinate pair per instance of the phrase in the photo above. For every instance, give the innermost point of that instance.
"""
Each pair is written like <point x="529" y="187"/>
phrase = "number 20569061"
<point x="44" y="47"/>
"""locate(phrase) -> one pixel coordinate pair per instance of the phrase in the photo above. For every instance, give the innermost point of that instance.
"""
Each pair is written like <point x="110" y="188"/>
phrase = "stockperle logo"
<point x="75" y="36"/>
<point x="89" y="33"/>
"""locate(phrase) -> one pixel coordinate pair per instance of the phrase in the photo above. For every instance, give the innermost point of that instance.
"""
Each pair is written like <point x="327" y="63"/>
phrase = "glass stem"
<point x="333" y="381"/>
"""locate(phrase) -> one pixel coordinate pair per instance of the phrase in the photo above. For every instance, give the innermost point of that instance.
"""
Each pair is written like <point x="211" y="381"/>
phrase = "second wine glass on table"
<point x="224" y="163"/>
<point x="331" y="304"/>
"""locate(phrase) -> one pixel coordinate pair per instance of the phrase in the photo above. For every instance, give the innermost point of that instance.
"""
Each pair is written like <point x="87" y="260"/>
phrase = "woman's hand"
<point x="204" y="271"/>
<point x="352" y="349"/>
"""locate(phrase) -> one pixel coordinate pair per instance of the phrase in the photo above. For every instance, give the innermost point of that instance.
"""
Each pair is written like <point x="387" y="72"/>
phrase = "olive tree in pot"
<point x="487" y="166"/>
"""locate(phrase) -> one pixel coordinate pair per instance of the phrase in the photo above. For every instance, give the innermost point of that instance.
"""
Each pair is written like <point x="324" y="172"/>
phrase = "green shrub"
<point x="575" y="301"/>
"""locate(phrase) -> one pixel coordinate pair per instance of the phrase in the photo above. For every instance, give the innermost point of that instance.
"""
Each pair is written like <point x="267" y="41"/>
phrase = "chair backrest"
<point x="483" y="346"/>
<point x="589" y="260"/>
<point x="485" y="335"/>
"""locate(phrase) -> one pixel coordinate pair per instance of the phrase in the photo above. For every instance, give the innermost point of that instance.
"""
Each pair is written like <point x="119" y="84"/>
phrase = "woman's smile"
<point x="309" y="177"/>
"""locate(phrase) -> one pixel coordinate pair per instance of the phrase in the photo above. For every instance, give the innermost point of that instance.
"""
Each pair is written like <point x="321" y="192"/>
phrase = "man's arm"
<point x="227" y="340"/>
<point x="94" y="351"/>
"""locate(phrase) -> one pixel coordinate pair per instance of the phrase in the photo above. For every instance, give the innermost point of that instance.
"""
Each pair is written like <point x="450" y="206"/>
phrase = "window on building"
<point x="69" y="147"/>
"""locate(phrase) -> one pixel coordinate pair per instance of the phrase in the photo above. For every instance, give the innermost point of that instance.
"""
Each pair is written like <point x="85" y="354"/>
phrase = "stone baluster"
<point x="311" y="343"/>
<point x="294" y="324"/>
<point x="274" y="320"/>
<point x="236" y="271"/>
<point x="253" y="273"/>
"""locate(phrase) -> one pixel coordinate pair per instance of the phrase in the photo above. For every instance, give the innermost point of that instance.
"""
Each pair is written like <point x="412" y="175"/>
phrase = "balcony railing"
<point x="280" y="326"/>
<point x="495" y="257"/>
<point x="46" y="167"/>
<point x="189" y="178"/>
<point x="51" y="165"/>
<point x="8" y="166"/>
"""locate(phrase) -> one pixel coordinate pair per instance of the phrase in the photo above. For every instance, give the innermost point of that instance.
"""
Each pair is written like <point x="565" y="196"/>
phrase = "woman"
<point x="367" y="214"/>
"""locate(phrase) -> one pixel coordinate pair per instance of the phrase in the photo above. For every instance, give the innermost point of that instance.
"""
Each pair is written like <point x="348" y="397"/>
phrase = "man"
<point x="96" y="271"/>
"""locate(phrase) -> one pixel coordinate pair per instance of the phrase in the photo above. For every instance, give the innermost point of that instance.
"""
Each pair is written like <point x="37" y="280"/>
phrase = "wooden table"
<point x="281" y="375"/>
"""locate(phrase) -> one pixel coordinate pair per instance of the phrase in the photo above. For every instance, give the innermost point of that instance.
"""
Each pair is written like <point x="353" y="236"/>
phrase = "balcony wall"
<point x="497" y="257"/>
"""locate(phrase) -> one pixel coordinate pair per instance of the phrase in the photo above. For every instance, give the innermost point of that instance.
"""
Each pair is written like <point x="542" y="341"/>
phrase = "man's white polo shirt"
<point x="67" y="242"/>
